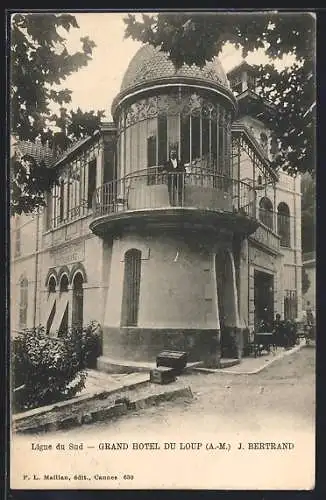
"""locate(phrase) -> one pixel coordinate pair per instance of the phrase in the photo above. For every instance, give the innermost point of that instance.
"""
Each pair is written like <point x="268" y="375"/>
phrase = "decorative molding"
<point x="64" y="270"/>
<point x="51" y="272"/>
<point x="128" y="245"/>
<point x="78" y="268"/>
<point x="171" y="105"/>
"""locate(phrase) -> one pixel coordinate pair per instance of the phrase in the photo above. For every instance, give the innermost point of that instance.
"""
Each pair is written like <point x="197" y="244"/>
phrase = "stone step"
<point x="100" y="376"/>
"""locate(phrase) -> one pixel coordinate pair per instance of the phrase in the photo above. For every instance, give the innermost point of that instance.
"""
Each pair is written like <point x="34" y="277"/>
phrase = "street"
<point x="281" y="397"/>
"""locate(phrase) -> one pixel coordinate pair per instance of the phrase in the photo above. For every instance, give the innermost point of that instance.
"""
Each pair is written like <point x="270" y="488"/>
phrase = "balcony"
<point x="174" y="200"/>
<point x="266" y="237"/>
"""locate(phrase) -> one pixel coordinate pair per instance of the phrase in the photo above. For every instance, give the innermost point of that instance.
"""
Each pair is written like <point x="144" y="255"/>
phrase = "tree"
<point x="40" y="62"/>
<point x="194" y="38"/>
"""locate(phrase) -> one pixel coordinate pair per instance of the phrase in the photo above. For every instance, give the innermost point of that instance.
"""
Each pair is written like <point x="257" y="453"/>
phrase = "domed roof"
<point x="150" y="63"/>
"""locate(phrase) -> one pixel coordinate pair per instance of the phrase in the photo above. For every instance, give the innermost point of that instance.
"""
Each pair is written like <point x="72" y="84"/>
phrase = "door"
<point x="263" y="298"/>
<point x="78" y="301"/>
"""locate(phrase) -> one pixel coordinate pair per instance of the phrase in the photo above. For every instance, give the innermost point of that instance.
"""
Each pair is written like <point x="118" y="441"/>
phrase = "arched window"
<point x="23" y="303"/>
<point x="52" y="285"/>
<point x="283" y="224"/>
<point x="64" y="283"/>
<point x="131" y="288"/>
<point x="266" y="212"/>
<point x="77" y="301"/>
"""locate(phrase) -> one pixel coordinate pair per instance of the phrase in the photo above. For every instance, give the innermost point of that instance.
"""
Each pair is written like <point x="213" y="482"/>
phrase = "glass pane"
<point x="126" y="159"/>
<point x="173" y="132"/>
<point x="185" y="139"/>
<point x="195" y="137"/>
<point x="205" y="136"/>
<point x="134" y="148"/>
<point x="162" y="139"/>
<point x="151" y="142"/>
<point x="214" y="143"/>
<point x="142" y="144"/>
<point x="151" y="151"/>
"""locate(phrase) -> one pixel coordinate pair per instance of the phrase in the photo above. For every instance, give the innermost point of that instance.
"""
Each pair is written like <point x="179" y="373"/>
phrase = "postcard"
<point x="162" y="267"/>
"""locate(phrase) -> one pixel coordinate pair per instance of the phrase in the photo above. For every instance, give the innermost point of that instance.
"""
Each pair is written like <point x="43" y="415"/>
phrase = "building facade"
<point x="192" y="259"/>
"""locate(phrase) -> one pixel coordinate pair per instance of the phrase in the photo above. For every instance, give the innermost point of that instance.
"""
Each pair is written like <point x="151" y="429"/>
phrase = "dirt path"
<point x="280" y="397"/>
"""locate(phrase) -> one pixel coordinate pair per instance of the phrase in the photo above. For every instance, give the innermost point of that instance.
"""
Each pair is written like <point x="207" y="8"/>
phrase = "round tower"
<point x="172" y="212"/>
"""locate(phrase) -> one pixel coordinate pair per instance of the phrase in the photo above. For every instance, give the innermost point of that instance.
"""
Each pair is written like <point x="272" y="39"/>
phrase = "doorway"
<point x="227" y="301"/>
<point x="77" y="301"/>
<point x="263" y="298"/>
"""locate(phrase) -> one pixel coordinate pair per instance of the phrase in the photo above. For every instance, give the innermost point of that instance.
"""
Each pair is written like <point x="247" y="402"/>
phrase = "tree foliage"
<point x="194" y="38"/>
<point x="40" y="63"/>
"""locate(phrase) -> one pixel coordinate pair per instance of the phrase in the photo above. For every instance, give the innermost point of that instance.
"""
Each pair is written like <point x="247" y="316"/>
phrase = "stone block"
<point x="162" y="375"/>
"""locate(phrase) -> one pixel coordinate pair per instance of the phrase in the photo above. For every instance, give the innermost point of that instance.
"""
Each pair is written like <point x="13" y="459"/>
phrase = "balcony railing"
<point x="267" y="237"/>
<point x="73" y="214"/>
<point x="153" y="188"/>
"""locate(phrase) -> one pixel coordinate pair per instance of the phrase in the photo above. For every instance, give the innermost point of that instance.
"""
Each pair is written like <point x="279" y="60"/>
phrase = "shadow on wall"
<point x="142" y="344"/>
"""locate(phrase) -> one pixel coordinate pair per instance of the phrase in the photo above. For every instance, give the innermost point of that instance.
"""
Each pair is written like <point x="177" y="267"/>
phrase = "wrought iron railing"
<point x="73" y="214"/>
<point x="154" y="188"/>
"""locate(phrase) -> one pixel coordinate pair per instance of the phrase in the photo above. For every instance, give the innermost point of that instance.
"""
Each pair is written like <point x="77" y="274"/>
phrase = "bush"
<point x="46" y="369"/>
<point x="91" y="342"/>
<point x="49" y="369"/>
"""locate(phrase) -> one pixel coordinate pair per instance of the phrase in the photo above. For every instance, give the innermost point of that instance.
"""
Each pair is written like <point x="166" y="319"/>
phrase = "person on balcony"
<point x="175" y="170"/>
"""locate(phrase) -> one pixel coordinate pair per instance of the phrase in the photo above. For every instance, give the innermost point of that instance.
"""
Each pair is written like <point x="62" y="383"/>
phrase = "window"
<point x="69" y="200"/>
<point x="91" y="182"/>
<point x="131" y="288"/>
<point x="205" y="136"/>
<point x="64" y="284"/>
<point x="151" y="151"/>
<point x="61" y="201"/>
<point x="17" y="242"/>
<point x="266" y="212"/>
<point x="221" y="144"/>
<point x="214" y="142"/>
<point x="162" y="139"/>
<point x="109" y="164"/>
<point x="151" y="158"/>
<point x="185" y="139"/>
<point x="283" y="224"/>
<point x="49" y="210"/>
<point x="52" y="285"/>
<point x="23" y="303"/>
<point x="195" y="137"/>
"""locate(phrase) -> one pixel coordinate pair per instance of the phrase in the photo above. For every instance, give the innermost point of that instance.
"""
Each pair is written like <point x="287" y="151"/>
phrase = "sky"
<point x="96" y="85"/>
